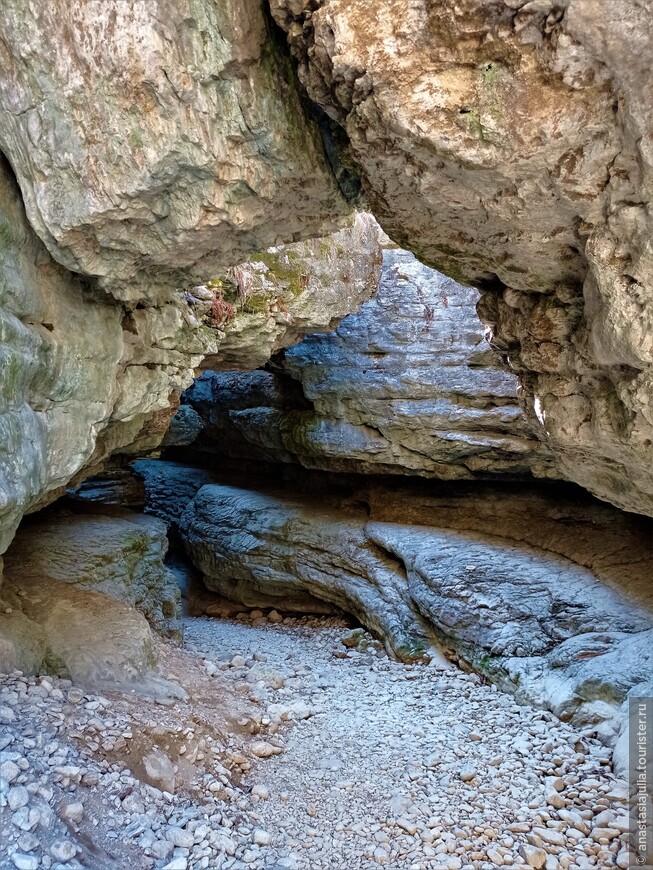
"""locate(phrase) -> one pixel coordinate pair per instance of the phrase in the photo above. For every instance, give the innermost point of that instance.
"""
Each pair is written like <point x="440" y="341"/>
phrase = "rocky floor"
<point x="294" y="750"/>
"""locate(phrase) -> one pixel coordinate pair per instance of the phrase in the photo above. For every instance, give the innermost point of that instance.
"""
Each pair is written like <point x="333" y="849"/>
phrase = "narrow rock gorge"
<point x="326" y="442"/>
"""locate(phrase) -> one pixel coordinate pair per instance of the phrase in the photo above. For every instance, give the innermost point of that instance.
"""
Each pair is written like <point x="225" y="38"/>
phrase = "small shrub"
<point x="221" y="311"/>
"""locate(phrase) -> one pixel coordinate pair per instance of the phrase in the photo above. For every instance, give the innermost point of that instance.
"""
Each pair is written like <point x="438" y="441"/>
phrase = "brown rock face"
<point x="78" y="593"/>
<point x="509" y="144"/>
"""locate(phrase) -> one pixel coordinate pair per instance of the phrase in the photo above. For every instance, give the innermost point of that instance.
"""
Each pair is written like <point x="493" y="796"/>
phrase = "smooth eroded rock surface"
<point x="79" y="594"/>
<point x="60" y="351"/>
<point x="537" y="590"/>
<point x="116" y="552"/>
<point x="258" y="549"/>
<point x="507" y="143"/>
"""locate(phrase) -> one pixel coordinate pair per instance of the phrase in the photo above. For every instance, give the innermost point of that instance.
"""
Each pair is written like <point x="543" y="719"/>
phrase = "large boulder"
<point x="406" y="385"/>
<point x="80" y="596"/>
<point x="509" y="144"/>
<point x="153" y="143"/>
<point x="113" y="551"/>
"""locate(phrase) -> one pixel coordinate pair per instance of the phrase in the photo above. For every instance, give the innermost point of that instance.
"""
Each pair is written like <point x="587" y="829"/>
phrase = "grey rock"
<point x="7" y="715"/>
<point x="467" y="773"/>
<point x="540" y="624"/>
<point x="220" y="160"/>
<point x="185" y="426"/>
<point x="25" y="862"/>
<point x="88" y="376"/>
<point x="133" y="804"/>
<point x="73" y="811"/>
<point x="75" y="582"/>
<point x="17" y="797"/>
<point x="161" y="849"/>
<point x="28" y="842"/>
<point x="406" y="385"/>
<point x="179" y="837"/>
<point x="63" y="850"/>
<point x="119" y="553"/>
<point x="261" y="837"/>
<point x="230" y="535"/>
<point x="533" y="856"/>
<point x="26" y="819"/>
<point x="159" y="770"/>
<point x="9" y="771"/>
<point x="549" y="219"/>
<point x="263" y="749"/>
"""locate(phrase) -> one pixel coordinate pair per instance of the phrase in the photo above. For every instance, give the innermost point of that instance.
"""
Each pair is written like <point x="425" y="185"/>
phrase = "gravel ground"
<point x="415" y="766"/>
<point x="295" y="750"/>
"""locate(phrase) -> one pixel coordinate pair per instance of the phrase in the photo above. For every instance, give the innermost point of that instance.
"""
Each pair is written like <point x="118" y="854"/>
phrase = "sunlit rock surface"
<point x="277" y="296"/>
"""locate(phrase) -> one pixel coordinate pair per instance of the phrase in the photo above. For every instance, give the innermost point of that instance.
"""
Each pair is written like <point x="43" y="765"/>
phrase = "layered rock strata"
<point x="406" y="385"/>
<point x="84" y="376"/>
<point x="506" y="143"/>
<point x="509" y="144"/>
<point x="537" y="592"/>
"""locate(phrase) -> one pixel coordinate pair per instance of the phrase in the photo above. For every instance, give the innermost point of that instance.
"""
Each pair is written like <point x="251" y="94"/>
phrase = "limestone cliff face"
<point x="509" y="144"/>
<point x="84" y="376"/>
<point x="81" y="376"/>
<point x="407" y="385"/>
<point x="152" y="142"/>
